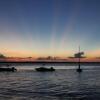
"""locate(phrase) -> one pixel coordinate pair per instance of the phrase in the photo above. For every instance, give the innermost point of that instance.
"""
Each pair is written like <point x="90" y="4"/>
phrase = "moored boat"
<point x="43" y="69"/>
<point x="7" y="69"/>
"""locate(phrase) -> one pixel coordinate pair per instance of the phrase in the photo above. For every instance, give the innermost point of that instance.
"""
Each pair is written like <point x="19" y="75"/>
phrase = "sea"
<point x="65" y="83"/>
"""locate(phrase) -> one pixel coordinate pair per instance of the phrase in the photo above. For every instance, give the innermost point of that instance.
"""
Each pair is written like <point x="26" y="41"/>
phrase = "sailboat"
<point x="79" y="58"/>
<point x="44" y="69"/>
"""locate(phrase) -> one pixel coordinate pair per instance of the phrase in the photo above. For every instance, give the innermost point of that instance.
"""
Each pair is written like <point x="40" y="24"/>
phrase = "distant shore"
<point x="51" y="63"/>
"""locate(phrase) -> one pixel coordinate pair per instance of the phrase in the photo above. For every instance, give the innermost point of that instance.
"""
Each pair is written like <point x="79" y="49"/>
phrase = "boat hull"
<point x="79" y="70"/>
<point x="8" y="69"/>
<point x="42" y="69"/>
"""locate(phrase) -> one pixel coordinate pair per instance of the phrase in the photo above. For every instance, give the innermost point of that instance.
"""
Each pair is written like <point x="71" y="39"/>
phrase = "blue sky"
<point x="49" y="27"/>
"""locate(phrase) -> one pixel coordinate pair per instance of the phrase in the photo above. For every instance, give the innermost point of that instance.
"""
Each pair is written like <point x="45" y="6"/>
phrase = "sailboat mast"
<point x="79" y="58"/>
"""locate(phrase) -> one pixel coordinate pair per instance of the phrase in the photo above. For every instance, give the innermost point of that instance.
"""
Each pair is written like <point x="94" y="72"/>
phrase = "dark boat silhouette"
<point x="79" y="70"/>
<point x="43" y="69"/>
<point x="79" y="57"/>
<point x="12" y="69"/>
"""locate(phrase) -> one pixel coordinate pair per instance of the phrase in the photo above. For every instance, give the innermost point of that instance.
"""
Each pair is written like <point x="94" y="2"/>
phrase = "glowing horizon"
<point x="43" y="28"/>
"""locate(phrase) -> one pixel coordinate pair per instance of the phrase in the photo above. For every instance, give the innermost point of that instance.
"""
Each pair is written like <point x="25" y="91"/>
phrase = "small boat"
<point x="79" y="57"/>
<point x="12" y="69"/>
<point x="43" y="69"/>
<point x="79" y="70"/>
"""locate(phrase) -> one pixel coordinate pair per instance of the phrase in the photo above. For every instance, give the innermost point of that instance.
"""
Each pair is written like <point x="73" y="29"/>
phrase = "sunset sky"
<point x="49" y="27"/>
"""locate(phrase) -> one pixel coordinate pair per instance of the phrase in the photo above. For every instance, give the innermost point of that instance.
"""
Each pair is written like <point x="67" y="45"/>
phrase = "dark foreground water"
<point x="63" y="84"/>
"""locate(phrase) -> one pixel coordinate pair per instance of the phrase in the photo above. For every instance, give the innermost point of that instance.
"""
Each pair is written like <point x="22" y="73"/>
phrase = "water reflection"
<point x="63" y="84"/>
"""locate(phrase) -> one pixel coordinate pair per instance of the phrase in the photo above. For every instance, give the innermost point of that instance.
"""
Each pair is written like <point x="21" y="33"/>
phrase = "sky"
<point x="49" y="27"/>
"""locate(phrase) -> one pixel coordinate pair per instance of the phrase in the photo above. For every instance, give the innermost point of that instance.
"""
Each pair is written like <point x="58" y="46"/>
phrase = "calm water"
<point x="63" y="84"/>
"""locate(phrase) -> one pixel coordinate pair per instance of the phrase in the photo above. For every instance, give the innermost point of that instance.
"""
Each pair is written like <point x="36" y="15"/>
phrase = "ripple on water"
<point x="59" y="85"/>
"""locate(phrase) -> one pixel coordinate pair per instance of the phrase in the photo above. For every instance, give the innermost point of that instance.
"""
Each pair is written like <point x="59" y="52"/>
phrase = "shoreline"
<point x="51" y="63"/>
